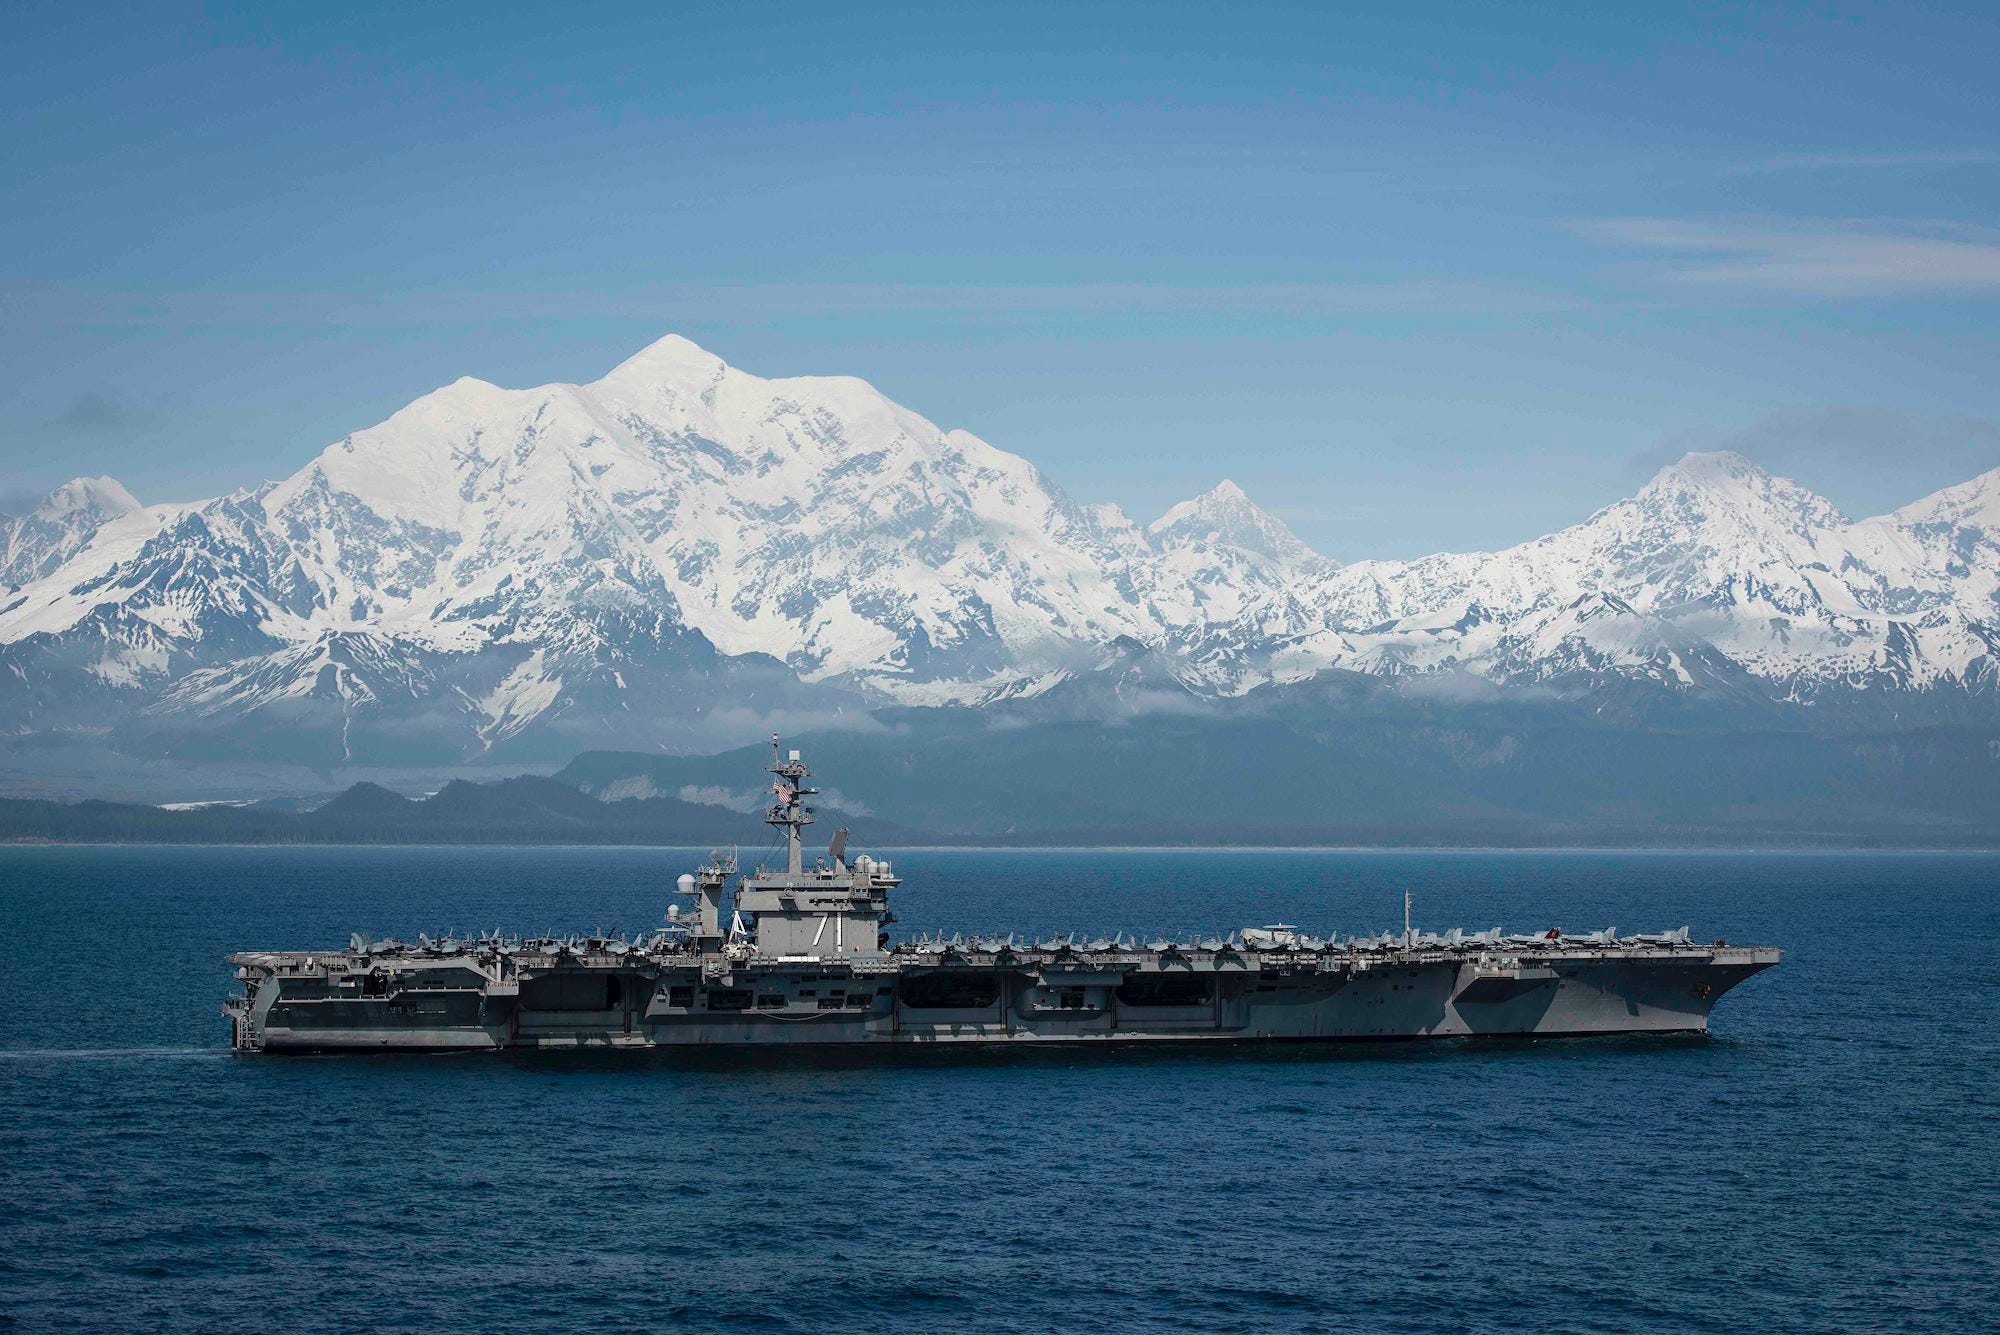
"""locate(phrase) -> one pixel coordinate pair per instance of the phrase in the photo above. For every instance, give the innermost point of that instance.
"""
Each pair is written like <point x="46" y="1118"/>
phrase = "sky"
<point x="1417" y="277"/>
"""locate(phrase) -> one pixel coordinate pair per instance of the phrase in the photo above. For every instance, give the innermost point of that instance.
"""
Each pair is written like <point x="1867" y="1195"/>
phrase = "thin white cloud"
<point x="1813" y="258"/>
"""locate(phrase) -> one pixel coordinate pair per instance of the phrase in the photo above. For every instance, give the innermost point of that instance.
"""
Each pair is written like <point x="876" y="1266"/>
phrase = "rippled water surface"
<point x="1826" y="1159"/>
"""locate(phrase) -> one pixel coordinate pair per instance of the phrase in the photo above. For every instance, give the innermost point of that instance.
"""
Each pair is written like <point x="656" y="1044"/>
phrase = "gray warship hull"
<point x="323" y="1001"/>
<point x="805" y="957"/>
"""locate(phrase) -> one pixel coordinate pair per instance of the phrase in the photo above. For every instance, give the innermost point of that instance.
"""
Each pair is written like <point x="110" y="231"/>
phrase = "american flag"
<point x="784" y="793"/>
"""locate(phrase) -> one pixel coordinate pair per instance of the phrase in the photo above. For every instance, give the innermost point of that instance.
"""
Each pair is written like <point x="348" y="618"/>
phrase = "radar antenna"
<point x="790" y="812"/>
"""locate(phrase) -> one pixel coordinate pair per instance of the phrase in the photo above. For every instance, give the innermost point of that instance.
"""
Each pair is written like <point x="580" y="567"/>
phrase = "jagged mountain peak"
<point x="1225" y="501"/>
<point x="703" y="390"/>
<point x="672" y="359"/>
<point x="103" y="496"/>
<point x="1722" y="481"/>
<point x="1225" y="515"/>
<point x="66" y="521"/>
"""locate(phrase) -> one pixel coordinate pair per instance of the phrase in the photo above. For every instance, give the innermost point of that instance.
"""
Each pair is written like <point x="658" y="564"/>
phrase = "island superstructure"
<point x="804" y="954"/>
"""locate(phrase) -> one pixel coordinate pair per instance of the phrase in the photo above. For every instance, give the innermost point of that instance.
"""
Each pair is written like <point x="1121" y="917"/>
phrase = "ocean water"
<point x="1826" y="1159"/>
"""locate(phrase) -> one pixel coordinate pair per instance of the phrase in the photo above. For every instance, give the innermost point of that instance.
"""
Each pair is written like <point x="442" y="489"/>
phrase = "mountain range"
<point x="681" y="555"/>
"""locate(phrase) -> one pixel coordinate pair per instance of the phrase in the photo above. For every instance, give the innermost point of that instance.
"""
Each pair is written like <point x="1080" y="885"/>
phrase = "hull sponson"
<point x="483" y="999"/>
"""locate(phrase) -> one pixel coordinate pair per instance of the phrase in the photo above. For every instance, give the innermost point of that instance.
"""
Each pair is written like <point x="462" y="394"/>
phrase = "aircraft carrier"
<point x="804" y="955"/>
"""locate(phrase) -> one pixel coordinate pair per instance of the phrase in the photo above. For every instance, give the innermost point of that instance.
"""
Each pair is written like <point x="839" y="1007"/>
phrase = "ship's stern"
<point x="246" y="1012"/>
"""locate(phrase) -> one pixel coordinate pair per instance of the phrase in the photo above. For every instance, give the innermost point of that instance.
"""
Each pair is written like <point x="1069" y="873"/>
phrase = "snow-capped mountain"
<point x="1713" y="555"/>
<point x="626" y="554"/>
<point x="681" y="551"/>
<point x="35" y="544"/>
<point x="1223" y="519"/>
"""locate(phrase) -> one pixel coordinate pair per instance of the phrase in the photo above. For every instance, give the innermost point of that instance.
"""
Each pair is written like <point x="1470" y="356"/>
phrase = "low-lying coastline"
<point x="539" y="811"/>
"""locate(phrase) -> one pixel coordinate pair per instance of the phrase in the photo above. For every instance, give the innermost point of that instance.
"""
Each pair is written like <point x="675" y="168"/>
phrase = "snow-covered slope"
<point x="1715" y="556"/>
<point x="505" y="549"/>
<point x="681" y="549"/>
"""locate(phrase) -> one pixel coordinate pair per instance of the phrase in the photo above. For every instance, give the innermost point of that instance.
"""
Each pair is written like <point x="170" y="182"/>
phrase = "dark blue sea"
<point x="1826" y="1159"/>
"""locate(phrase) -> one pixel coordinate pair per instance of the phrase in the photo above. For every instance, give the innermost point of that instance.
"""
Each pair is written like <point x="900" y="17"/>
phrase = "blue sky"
<point x="1416" y="276"/>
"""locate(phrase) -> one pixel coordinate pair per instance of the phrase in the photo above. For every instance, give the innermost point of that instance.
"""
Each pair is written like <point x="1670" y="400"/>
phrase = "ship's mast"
<point x="790" y="810"/>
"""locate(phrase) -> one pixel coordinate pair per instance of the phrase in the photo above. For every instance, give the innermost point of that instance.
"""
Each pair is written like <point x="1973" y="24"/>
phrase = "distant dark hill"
<point x="366" y="801"/>
<point x="512" y="811"/>
<point x="1341" y="758"/>
<point x="545" y="800"/>
<point x="1371" y="766"/>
